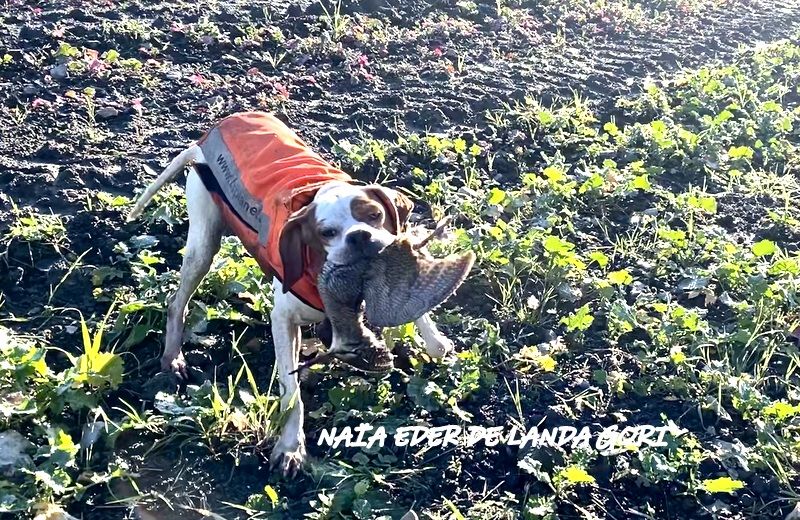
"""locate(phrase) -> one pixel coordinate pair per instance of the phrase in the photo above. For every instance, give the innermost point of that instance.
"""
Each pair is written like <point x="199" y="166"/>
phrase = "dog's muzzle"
<point x="363" y="244"/>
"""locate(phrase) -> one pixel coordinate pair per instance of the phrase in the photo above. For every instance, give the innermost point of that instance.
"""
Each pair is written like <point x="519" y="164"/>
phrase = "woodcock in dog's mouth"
<point x="398" y="286"/>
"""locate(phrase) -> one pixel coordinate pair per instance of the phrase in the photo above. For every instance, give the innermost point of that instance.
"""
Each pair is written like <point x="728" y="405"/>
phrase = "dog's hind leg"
<point x="202" y="243"/>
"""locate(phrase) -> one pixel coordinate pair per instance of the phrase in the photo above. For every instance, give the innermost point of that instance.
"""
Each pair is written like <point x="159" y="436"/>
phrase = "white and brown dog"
<point x="252" y="176"/>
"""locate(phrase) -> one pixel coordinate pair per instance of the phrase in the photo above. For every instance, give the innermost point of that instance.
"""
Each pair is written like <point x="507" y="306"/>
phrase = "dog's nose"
<point x="358" y="239"/>
<point x="362" y="243"/>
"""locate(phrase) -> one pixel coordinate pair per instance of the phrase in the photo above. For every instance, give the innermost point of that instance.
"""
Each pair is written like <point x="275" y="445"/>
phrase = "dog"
<point x="252" y="176"/>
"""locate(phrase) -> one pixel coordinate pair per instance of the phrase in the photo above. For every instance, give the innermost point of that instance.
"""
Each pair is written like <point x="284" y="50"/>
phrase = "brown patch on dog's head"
<point x="369" y="210"/>
<point x="397" y="207"/>
<point x="301" y="230"/>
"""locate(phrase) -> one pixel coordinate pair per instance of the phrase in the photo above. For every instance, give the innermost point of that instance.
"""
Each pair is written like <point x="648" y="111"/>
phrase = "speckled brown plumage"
<point x="403" y="284"/>
<point x="398" y="286"/>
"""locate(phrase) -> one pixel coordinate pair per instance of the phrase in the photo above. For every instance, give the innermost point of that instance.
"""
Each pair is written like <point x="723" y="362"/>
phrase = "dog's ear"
<point x="404" y="208"/>
<point x="397" y="206"/>
<point x="290" y="245"/>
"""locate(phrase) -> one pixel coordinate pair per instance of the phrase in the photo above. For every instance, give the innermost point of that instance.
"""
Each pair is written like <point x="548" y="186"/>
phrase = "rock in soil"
<point x="12" y="453"/>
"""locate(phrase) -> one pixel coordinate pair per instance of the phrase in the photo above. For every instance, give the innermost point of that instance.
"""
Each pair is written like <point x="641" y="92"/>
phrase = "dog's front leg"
<point x="436" y="343"/>
<point x="290" y="450"/>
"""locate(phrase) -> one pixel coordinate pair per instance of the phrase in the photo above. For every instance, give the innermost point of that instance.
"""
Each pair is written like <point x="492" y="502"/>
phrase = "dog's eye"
<point x="329" y="232"/>
<point x="374" y="216"/>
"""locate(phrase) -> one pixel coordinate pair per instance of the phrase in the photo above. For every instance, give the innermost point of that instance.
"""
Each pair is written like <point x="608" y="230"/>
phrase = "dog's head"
<point x="344" y="224"/>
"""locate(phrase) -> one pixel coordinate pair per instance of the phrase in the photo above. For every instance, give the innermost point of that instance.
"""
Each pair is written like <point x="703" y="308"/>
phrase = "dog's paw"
<point x="177" y="365"/>
<point x="438" y="346"/>
<point x="287" y="459"/>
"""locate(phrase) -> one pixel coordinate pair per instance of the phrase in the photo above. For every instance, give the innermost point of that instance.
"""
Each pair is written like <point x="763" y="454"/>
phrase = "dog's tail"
<point x="176" y="166"/>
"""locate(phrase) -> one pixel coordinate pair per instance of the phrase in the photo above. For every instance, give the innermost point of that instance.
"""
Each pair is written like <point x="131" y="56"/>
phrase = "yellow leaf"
<point x="599" y="257"/>
<point x="782" y="410"/>
<point x="722" y="485"/>
<point x="622" y="277"/>
<point x="764" y="248"/>
<point x="546" y="363"/>
<point x="87" y="342"/>
<point x="554" y="174"/>
<point x="63" y="441"/>
<point x="99" y="369"/>
<point x="456" y="514"/>
<point x="496" y="196"/>
<point x="640" y="182"/>
<point x="576" y="475"/>
<point x="271" y="494"/>
<point x="35" y="358"/>
<point x="678" y="357"/>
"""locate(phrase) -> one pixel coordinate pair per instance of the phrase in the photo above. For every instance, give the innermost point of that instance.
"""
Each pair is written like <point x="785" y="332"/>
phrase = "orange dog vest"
<point x="259" y="173"/>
